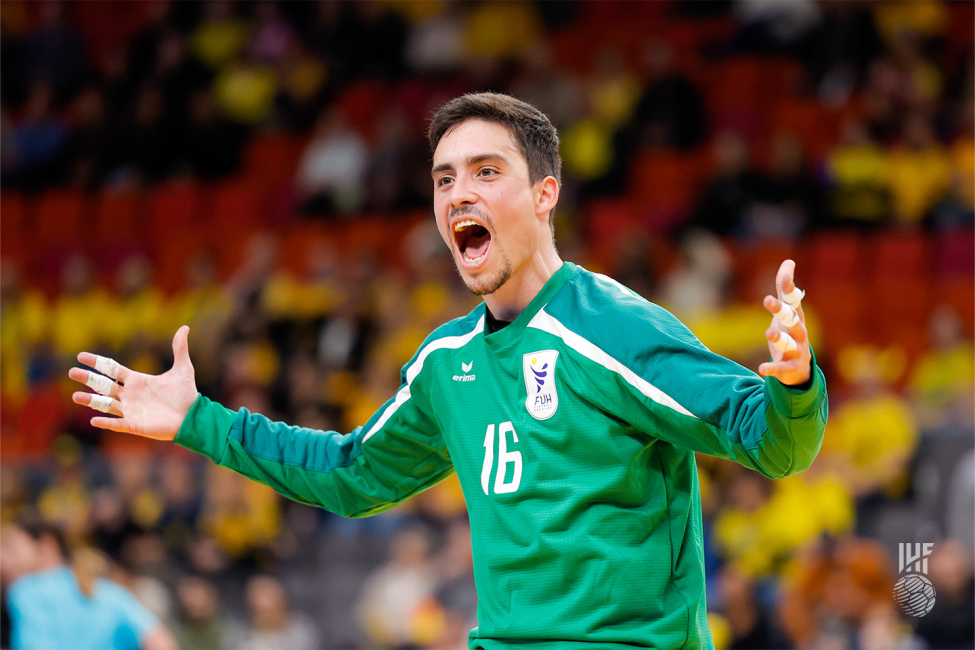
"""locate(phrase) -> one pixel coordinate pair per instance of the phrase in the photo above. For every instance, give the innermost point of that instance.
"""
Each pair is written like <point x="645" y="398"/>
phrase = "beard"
<point x="485" y="286"/>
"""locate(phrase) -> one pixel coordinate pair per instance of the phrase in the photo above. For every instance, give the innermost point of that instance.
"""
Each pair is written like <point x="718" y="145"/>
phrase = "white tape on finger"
<point x="100" y="384"/>
<point x="101" y="403"/>
<point x="785" y="343"/>
<point x="794" y="297"/>
<point x="787" y="315"/>
<point x="107" y="366"/>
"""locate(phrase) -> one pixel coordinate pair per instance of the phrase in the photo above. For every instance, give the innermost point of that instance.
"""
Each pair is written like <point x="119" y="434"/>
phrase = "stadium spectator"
<point x="270" y="623"/>
<point x="873" y="433"/>
<point x="332" y="171"/>
<point x="671" y="112"/>
<point x="944" y="377"/>
<point x="733" y="188"/>
<point x="393" y="594"/>
<point x="833" y="587"/>
<point x="54" y="54"/>
<point x="24" y="313"/>
<point x="212" y="144"/>
<point x="920" y="171"/>
<point x="58" y="605"/>
<point x="789" y="200"/>
<point x="859" y="174"/>
<point x="951" y="623"/>
<point x="38" y="139"/>
<point x="220" y="36"/>
<point x="199" y="626"/>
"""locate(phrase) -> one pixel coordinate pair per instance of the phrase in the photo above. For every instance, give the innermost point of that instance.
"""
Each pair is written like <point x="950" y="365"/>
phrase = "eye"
<point x="444" y="180"/>
<point x="487" y="171"/>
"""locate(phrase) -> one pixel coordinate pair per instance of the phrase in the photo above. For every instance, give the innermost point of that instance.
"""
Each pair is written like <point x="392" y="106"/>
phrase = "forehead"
<point x="474" y="138"/>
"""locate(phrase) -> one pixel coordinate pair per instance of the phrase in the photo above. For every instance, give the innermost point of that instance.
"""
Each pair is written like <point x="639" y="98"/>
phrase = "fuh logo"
<point x="539" y="370"/>
<point x="914" y="592"/>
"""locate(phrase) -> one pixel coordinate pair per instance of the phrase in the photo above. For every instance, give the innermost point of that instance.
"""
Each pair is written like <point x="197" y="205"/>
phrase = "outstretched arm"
<point x="397" y="453"/>
<point x="663" y="381"/>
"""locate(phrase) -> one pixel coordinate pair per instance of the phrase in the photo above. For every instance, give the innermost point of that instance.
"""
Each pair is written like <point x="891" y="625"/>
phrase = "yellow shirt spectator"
<point x="239" y="514"/>
<point x="919" y="179"/>
<point x="801" y="508"/>
<point x="141" y="314"/>
<point x="502" y="29"/>
<point x="874" y="437"/>
<point x="23" y="324"/>
<point x="75" y="325"/>
<point x="861" y="175"/>
<point x="217" y="42"/>
<point x="587" y="149"/>
<point x="246" y="94"/>
<point x="941" y="376"/>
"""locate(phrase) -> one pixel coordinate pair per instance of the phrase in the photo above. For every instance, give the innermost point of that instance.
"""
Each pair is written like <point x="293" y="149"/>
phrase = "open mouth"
<point x="473" y="241"/>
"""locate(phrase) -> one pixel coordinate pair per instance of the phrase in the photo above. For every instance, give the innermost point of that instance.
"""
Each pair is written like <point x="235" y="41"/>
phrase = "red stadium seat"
<point x="13" y="218"/>
<point x="837" y="257"/>
<point x="117" y="217"/>
<point x="956" y="255"/>
<point x="901" y="255"/>
<point x="173" y="207"/>
<point x="59" y="217"/>
<point x="236" y="206"/>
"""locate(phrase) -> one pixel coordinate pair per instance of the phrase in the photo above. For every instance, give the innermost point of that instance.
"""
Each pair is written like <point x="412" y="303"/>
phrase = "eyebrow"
<point x="473" y="160"/>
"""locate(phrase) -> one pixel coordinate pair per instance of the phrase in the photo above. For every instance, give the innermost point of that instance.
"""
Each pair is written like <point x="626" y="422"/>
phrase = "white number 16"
<point x="504" y="457"/>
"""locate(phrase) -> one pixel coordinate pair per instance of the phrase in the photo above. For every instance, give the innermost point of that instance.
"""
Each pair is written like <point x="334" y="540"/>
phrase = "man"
<point x="569" y="407"/>
<point x="57" y="606"/>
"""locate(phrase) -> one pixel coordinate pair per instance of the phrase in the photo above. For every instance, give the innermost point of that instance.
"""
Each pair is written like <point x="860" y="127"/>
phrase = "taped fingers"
<point x="101" y="403"/>
<point x="787" y="315"/>
<point x="108" y="367"/>
<point x="100" y="383"/>
<point x="785" y="343"/>
<point x="794" y="297"/>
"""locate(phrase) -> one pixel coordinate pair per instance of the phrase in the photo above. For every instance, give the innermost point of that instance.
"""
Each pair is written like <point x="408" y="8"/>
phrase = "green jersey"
<point x="573" y="432"/>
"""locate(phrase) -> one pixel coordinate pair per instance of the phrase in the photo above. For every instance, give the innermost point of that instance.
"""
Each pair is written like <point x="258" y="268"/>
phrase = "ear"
<point x="546" y="195"/>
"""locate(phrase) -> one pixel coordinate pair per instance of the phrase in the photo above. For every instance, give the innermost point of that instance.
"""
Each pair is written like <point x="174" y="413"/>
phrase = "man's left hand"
<point x="791" y="367"/>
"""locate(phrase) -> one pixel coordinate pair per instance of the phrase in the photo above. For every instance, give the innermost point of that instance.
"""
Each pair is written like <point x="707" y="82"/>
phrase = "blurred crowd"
<point x="702" y="143"/>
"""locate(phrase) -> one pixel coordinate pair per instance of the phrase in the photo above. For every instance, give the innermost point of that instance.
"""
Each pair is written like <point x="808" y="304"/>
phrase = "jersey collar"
<point x="510" y="334"/>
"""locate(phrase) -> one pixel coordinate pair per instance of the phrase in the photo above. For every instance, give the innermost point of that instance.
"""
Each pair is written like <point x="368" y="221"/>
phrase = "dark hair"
<point x="534" y="134"/>
<point x="39" y="529"/>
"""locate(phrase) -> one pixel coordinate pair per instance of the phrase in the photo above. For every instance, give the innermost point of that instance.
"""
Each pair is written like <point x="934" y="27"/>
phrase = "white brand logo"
<point x="466" y="367"/>
<point x="914" y="592"/>
<point x="543" y="398"/>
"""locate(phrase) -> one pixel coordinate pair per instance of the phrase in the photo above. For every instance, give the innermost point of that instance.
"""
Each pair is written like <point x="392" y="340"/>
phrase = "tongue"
<point x="477" y="245"/>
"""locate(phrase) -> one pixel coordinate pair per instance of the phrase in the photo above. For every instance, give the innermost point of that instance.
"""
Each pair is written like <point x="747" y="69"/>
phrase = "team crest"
<point x="543" y="398"/>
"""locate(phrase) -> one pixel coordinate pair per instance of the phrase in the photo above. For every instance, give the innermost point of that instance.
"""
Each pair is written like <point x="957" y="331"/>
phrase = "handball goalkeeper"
<point x="569" y="407"/>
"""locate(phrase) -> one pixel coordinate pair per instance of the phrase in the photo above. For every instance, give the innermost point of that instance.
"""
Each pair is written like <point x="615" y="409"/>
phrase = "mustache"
<point x="468" y="211"/>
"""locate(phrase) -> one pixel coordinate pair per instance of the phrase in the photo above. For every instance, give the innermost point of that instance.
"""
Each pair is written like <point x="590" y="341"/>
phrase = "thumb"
<point x="181" y="349"/>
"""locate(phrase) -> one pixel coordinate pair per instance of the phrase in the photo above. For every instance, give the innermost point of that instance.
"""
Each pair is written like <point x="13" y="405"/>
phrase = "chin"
<point x="486" y="282"/>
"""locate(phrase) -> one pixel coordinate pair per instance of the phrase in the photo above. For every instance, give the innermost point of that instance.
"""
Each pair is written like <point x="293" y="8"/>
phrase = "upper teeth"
<point x="460" y="225"/>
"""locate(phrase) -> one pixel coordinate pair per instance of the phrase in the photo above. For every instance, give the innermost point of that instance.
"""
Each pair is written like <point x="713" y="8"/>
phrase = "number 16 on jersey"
<point x="505" y="458"/>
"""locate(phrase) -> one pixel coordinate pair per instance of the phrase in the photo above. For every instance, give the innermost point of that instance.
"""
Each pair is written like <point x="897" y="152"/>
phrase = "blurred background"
<point x="259" y="171"/>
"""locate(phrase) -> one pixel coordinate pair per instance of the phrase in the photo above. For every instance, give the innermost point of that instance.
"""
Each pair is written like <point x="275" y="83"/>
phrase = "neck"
<point x="523" y="285"/>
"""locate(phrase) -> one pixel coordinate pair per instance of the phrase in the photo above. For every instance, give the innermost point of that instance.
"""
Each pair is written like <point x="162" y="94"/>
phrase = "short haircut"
<point x="38" y="529"/>
<point x="533" y="132"/>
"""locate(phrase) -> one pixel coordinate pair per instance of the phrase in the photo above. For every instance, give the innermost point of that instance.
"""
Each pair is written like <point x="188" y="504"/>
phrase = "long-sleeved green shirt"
<point x="573" y="432"/>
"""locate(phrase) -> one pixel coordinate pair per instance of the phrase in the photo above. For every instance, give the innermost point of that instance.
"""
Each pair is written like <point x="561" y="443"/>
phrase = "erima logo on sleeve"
<point x="543" y="398"/>
<point x="466" y="367"/>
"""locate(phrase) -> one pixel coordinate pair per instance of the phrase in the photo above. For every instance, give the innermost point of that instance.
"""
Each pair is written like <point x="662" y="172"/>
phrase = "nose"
<point x="463" y="192"/>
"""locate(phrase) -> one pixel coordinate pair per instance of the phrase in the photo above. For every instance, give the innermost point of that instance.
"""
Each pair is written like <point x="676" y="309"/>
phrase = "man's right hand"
<point x="153" y="406"/>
